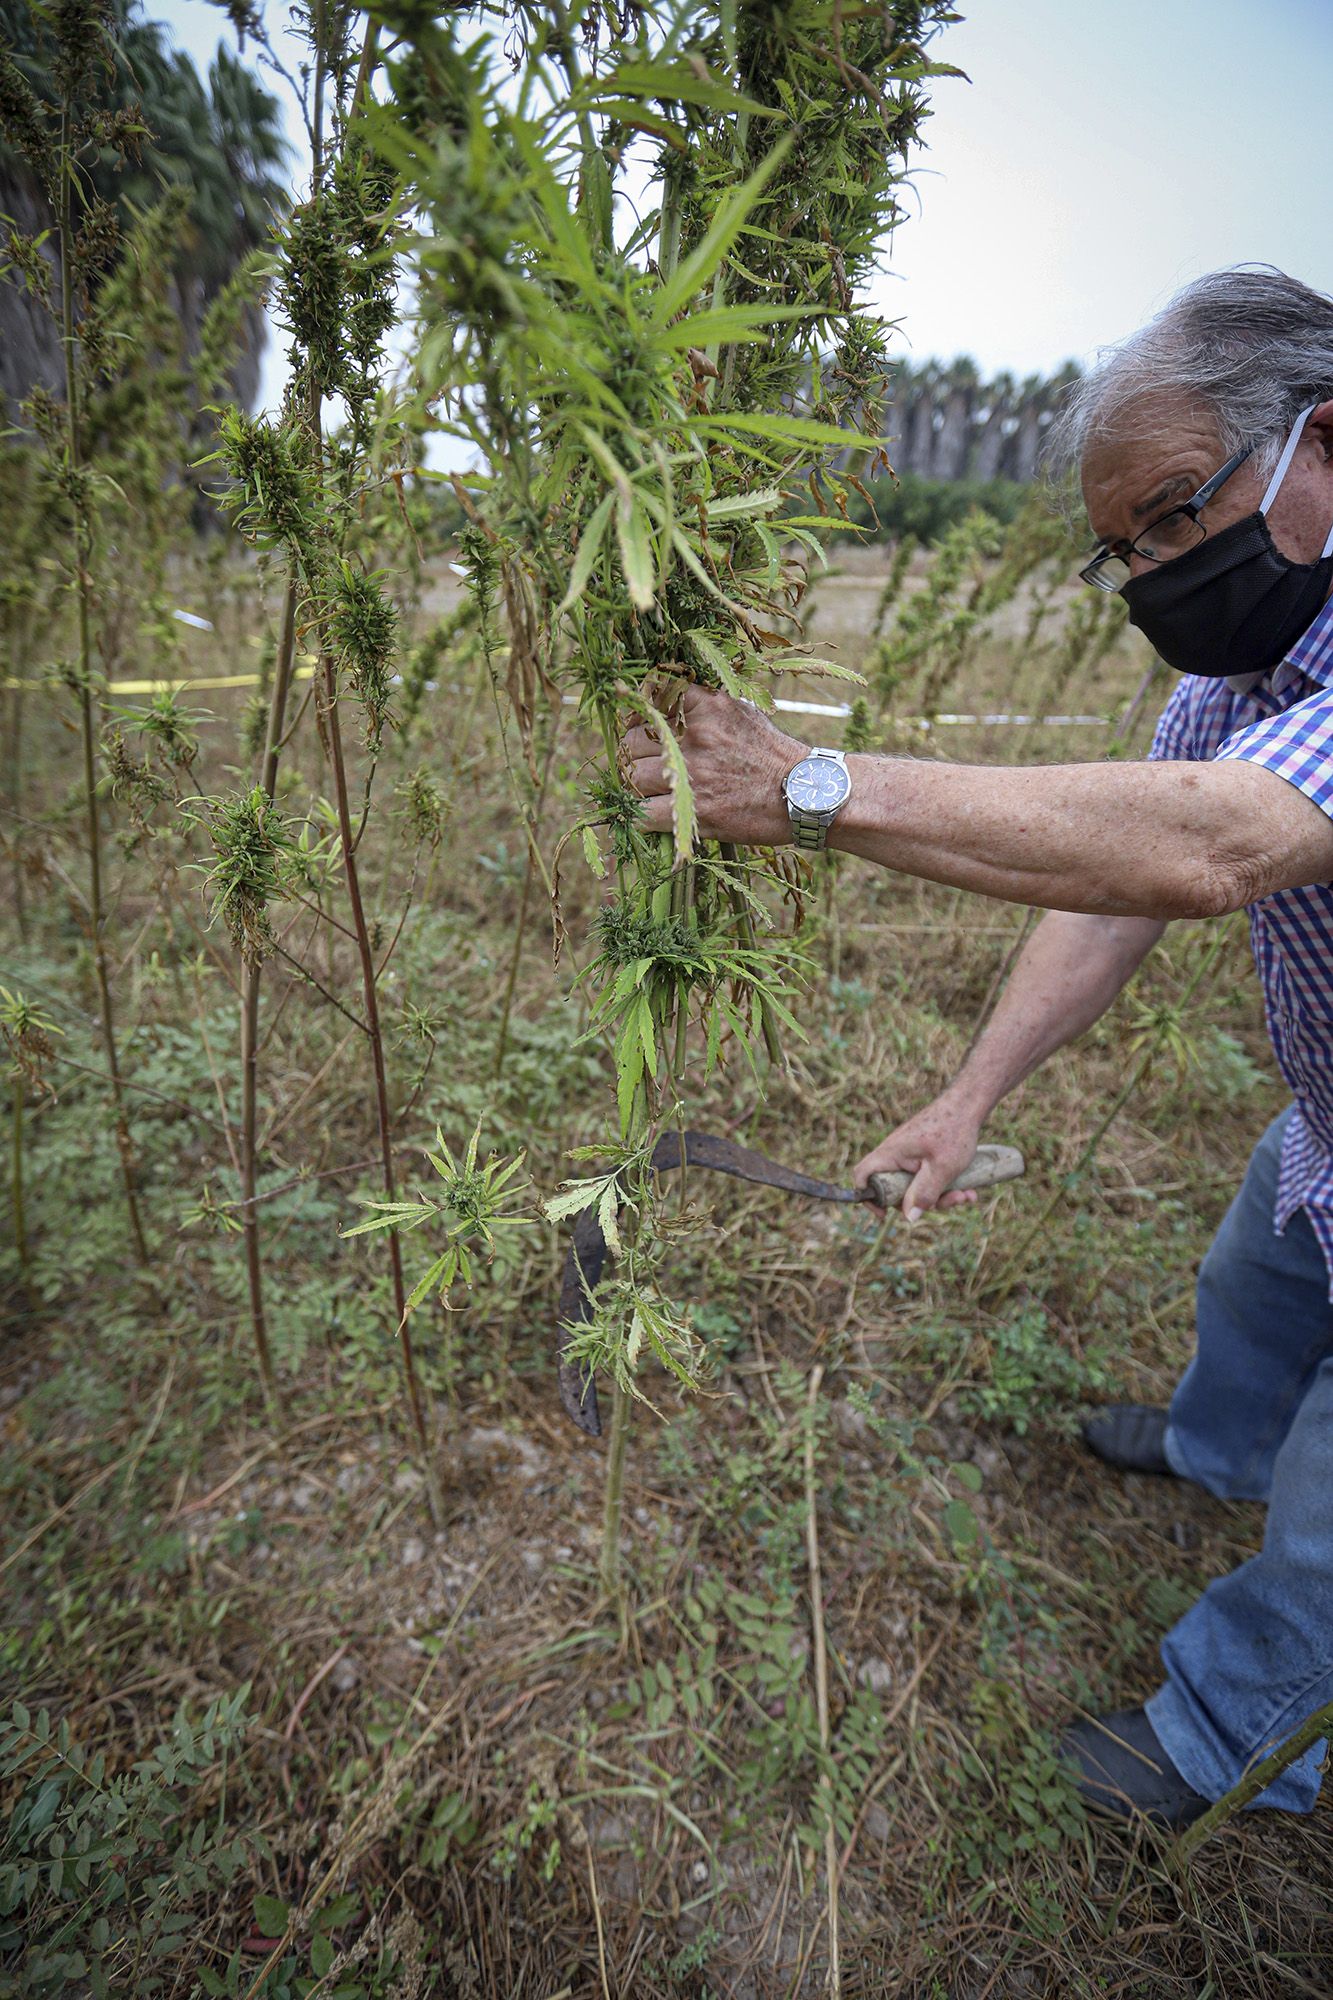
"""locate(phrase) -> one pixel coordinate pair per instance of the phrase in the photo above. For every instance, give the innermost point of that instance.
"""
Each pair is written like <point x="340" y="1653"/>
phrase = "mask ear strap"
<point x="1328" y="546"/>
<point x="1288" y="452"/>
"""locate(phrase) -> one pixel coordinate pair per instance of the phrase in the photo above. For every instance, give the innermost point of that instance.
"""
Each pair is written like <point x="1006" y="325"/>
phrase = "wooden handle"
<point x="989" y="1166"/>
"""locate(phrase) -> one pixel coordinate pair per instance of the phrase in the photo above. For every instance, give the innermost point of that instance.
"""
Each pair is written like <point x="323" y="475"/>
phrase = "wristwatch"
<point x="816" y="790"/>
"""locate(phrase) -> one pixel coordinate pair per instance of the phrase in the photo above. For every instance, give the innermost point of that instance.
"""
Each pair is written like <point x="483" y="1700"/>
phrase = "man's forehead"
<point x="1157" y="453"/>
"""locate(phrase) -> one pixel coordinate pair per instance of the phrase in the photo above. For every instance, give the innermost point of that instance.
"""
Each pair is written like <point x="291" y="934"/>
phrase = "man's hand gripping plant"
<point x="660" y="399"/>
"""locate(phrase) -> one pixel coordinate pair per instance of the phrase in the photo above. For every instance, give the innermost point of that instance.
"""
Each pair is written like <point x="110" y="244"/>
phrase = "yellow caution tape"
<point x="177" y="684"/>
<point x="839" y="709"/>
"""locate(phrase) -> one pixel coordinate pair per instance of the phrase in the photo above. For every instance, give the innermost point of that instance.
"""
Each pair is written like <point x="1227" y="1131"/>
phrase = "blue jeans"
<point x="1252" y="1419"/>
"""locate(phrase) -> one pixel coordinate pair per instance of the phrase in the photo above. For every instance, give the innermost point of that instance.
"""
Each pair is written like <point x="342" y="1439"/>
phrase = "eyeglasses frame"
<point x="1194" y="506"/>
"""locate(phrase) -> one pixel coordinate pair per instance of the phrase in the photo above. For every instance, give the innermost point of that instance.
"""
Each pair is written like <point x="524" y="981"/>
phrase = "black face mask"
<point x="1233" y="604"/>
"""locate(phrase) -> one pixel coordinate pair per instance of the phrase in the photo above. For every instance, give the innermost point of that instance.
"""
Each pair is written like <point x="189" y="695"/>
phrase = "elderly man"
<point x="1205" y="445"/>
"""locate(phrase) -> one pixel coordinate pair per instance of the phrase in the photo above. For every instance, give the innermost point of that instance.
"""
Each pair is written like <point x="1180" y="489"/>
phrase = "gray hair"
<point x="1251" y="345"/>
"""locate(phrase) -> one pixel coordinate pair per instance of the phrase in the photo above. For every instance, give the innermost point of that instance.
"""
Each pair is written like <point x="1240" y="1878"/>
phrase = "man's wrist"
<point x="864" y="810"/>
<point x="792" y="755"/>
<point x="971" y="1097"/>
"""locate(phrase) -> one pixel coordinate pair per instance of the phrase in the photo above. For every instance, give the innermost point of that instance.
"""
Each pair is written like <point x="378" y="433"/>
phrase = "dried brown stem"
<point x="87" y="722"/>
<point x="251" y="976"/>
<point x="819" y="1637"/>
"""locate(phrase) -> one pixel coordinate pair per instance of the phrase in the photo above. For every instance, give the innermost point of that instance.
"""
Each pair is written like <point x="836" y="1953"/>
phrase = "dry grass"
<point x="640" y="1818"/>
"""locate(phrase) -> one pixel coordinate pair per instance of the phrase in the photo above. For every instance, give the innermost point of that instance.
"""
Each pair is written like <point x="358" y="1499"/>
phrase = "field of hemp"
<point x="336" y="977"/>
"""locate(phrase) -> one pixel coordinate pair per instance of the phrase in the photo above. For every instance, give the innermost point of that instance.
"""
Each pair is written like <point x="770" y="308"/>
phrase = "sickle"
<point x="586" y="1258"/>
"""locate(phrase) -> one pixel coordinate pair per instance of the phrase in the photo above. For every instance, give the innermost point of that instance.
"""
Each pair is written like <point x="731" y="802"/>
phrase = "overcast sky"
<point x="1097" y="159"/>
<point x="1102" y="156"/>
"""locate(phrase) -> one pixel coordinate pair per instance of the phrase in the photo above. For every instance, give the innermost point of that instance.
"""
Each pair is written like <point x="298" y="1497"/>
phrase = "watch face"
<point x="818" y="784"/>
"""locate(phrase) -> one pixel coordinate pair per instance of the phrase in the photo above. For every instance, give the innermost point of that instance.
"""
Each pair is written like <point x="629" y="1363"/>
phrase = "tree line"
<point x="947" y="422"/>
<point x="216" y="144"/>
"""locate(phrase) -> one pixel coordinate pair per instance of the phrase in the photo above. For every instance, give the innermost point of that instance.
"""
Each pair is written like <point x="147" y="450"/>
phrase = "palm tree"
<point x="1024" y="443"/>
<point x="222" y="143"/>
<point x="960" y="392"/>
<point x="995" y="410"/>
<point x="914" y="396"/>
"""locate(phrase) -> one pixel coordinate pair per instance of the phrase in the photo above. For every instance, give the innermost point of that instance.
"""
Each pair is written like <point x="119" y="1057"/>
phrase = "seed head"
<point x="363" y="628"/>
<point x="255" y="854"/>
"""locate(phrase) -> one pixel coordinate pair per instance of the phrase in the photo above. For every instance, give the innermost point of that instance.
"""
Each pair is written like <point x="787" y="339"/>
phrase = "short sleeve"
<point x="1297" y="746"/>
<point x="1176" y="737"/>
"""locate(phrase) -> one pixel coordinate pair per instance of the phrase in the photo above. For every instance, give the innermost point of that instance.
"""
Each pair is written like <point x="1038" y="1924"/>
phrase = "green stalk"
<point x="668" y="229"/>
<point x="83" y="554"/>
<point x="16" y="1169"/>
<point x="318" y="30"/>
<point x="511" y="982"/>
<point x="613" y="1500"/>
<point x="252" y="973"/>
<point x="680" y="1053"/>
<point x="251" y="976"/>
<point x="745" y="925"/>
<point x="613" y="1492"/>
<point x="254" y="1267"/>
<point x="282" y="681"/>
<point x="1257" y="1780"/>
<point x="834" y="914"/>
<point x="14" y="768"/>
<point x="594" y="167"/>
<point x="328" y="674"/>
<point x="331" y="735"/>
<point x="729" y="852"/>
<point x="532" y="818"/>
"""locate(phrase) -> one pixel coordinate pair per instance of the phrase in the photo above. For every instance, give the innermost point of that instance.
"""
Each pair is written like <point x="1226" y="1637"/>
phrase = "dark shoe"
<point x="1121" y="1769"/>
<point x="1130" y="1435"/>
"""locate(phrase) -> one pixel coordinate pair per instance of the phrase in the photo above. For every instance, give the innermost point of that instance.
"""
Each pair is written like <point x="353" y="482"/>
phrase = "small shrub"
<point x="101" y="1876"/>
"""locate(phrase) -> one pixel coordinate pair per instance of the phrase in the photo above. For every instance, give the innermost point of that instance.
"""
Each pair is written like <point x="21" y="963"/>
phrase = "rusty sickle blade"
<point x="586" y="1260"/>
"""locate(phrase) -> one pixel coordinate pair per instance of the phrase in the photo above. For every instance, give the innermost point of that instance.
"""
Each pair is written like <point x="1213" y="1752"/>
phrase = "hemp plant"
<point x="19" y="602"/>
<point x="57" y="139"/>
<point x="26" y="1034"/>
<point x="96" y="477"/>
<point x="641" y="264"/>
<point x="466" y="1218"/>
<point x="469" y="1211"/>
<point x="255" y="856"/>
<point x="302" y="490"/>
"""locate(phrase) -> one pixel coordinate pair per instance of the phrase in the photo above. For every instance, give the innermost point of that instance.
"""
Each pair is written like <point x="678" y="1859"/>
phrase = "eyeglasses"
<point x="1176" y="531"/>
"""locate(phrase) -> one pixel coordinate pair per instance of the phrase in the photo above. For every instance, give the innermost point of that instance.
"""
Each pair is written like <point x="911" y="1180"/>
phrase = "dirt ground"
<point x="525" y="1793"/>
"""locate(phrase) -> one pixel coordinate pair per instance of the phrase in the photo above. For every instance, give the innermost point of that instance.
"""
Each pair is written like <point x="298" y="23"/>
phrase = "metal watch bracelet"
<point x="810" y="825"/>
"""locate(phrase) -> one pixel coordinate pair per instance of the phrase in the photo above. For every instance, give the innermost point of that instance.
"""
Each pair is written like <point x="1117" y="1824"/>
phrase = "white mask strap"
<point x="1288" y="452"/>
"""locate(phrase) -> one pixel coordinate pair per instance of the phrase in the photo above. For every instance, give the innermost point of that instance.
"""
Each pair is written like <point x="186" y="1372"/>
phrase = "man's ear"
<point x="1320" y="425"/>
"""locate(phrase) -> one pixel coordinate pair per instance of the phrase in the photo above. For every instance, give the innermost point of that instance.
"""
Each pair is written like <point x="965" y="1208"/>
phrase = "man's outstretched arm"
<point x="1068" y="974"/>
<point x="1160" y="840"/>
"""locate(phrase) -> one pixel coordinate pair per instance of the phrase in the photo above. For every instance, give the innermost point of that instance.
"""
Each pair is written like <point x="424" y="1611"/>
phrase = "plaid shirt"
<point x="1285" y="724"/>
